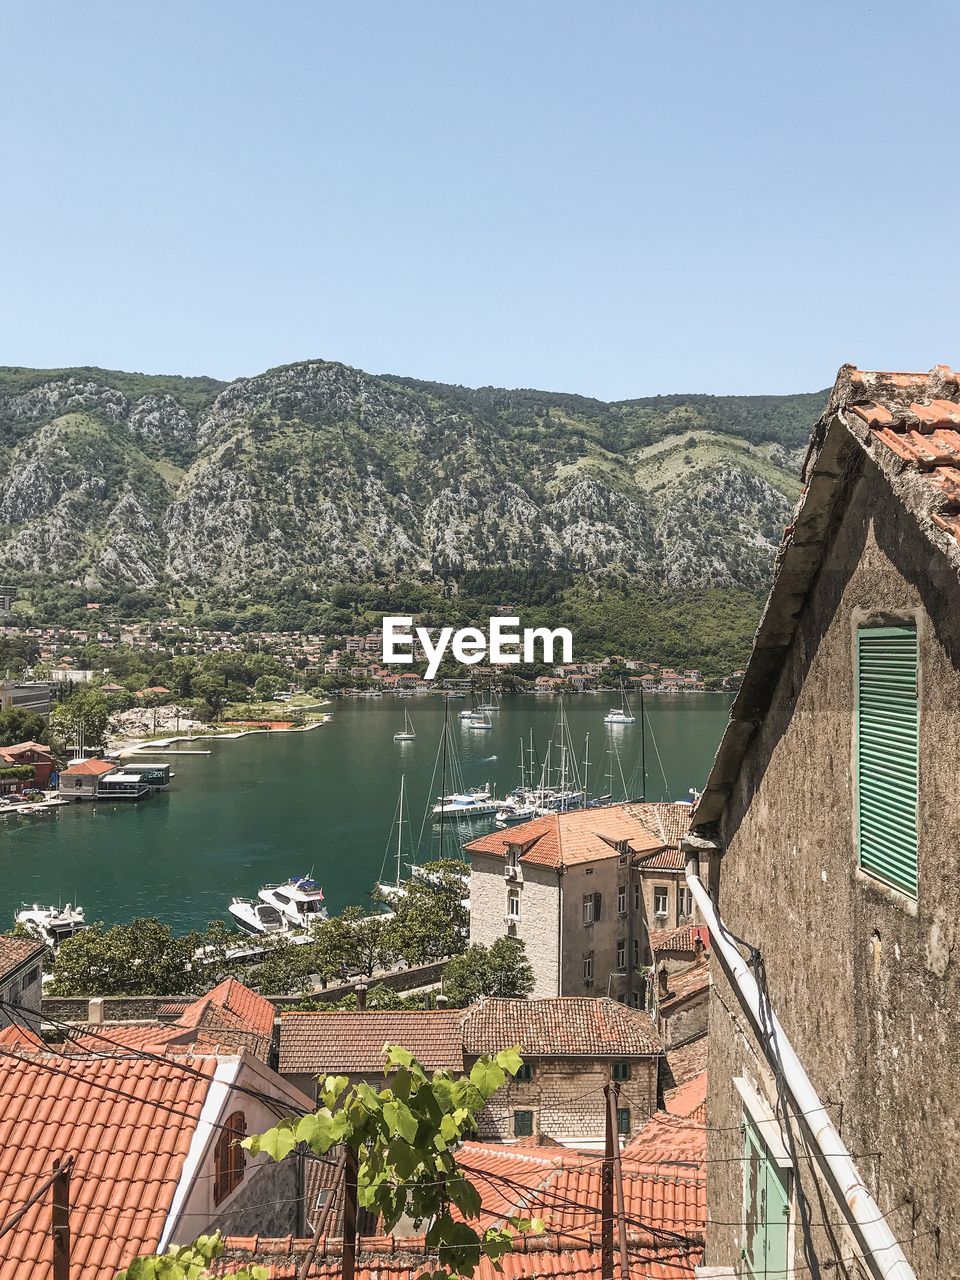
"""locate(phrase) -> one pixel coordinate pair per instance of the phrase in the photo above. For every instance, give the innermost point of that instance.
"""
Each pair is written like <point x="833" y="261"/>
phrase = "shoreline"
<point x="146" y="746"/>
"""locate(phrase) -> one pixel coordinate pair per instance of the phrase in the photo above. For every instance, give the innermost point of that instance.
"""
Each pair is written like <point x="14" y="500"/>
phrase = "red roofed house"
<point x="831" y="824"/>
<point x="80" y="780"/>
<point x="571" y="1047"/>
<point x="583" y="890"/>
<point x="155" y="1161"/>
<point x="35" y="754"/>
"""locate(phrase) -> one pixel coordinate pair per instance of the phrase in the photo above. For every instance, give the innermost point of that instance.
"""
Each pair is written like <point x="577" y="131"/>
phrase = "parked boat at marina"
<point x="621" y="714"/>
<point x="407" y="733"/>
<point x="295" y="904"/>
<point x="51" y="925"/>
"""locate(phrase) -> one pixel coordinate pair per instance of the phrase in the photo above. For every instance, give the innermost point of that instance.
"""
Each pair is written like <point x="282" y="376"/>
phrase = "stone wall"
<point x="538" y="925"/>
<point x="567" y="1100"/>
<point x="865" y="981"/>
<point x="269" y="1202"/>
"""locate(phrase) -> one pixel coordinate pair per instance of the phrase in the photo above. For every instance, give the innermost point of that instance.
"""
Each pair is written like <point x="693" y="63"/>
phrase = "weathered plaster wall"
<point x="866" y="983"/>
<point x="539" y="922"/>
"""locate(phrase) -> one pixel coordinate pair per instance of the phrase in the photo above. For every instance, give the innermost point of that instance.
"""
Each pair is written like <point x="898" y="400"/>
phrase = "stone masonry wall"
<point x="538" y="925"/>
<point x="567" y="1100"/>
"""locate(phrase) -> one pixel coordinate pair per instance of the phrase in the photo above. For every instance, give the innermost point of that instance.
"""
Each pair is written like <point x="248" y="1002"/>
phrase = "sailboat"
<point x="621" y="714"/>
<point x="407" y="733"/>
<point x="391" y="890"/>
<point x="492" y="703"/>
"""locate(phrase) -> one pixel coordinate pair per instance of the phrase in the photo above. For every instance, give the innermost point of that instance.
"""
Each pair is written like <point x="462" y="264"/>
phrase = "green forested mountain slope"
<point x="319" y="474"/>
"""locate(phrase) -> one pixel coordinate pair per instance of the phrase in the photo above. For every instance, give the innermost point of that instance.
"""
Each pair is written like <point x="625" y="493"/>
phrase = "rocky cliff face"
<point x="324" y="473"/>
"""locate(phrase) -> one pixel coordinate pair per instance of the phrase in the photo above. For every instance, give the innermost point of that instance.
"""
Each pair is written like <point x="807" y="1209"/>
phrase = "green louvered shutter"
<point x="887" y="753"/>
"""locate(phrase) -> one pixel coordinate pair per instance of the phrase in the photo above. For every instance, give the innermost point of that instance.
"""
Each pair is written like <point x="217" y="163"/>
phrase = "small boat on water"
<point x="621" y="714"/>
<point x="478" y="721"/>
<point x="295" y="904"/>
<point x="477" y="802"/>
<point x="51" y="925"/>
<point x="407" y="733"/>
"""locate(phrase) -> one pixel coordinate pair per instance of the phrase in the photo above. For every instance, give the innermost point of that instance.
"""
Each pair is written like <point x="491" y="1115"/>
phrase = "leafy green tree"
<point x="84" y="711"/>
<point x="188" y="1262"/>
<point x="139" y="958"/>
<point x="19" y="725"/>
<point x="499" y="970"/>
<point x="430" y="920"/>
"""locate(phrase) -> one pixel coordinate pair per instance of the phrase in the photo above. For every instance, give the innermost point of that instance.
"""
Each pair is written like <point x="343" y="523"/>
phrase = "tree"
<point x="140" y="958"/>
<point x="19" y="725"/>
<point x="405" y="1137"/>
<point x="499" y="970"/>
<point x="85" y="711"/>
<point x="430" y="920"/>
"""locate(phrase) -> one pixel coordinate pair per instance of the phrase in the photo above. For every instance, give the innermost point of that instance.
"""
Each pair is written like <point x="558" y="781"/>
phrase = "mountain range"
<point x="320" y="473"/>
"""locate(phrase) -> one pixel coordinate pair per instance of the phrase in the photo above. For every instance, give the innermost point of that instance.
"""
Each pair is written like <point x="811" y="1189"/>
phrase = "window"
<point x="228" y="1157"/>
<point x="886" y="741"/>
<point x="636" y="953"/>
<point x="766" y="1208"/>
<point x="636" y="897"/>
<point x="33" y="975"/>
<point x="522" y="1124"/>
<point x="591" y="907"/>
<point x="660" y="900"/>
<point x="588" y="968"/>
<point x="525" y="1074"/>
<point x="623" y="1120"/>
<point x="621" y="1071"/>
<point x="513" y="856"/>
<point x="621" y="955"/>
<point x="685" y="904"/>
<point x="621" y="899"/>
<point x="513" y="904"/>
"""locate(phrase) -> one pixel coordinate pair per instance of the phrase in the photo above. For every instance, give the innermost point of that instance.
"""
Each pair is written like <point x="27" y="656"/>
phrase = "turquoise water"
<point x="262" y="808"/>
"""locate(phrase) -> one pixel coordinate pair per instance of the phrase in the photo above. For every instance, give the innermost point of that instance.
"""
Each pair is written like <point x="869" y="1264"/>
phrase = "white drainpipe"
<point x="885" y="1257"/>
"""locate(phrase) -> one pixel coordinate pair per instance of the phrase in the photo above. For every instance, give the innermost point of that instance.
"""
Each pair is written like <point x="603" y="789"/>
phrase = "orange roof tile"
<point x="89" y="768"/>
<point x="686" y="983"/>
<point x="688" y="1098"/>
<point x="352" y="1041"/>
<point x="584" y="835"/>
<point x="128" y="1147"/>
<point x="670" y="1143"/>
<point x="687" y="1061"/>
<point x="561" y="1026"/>
<point x="684" y="938"/>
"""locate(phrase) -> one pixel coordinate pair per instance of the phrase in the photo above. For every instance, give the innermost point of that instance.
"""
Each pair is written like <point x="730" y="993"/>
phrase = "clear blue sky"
<point x="611" y="198"/>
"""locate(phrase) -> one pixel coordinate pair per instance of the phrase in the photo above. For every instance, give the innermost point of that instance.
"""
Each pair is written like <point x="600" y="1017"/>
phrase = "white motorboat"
<point x="407" y="733"/>
<point x="478" y="722"/>
<point x="257" y="917"/>
<point x="514" y="811"/>
<point x="51" y="925"/>
<point x="476" y="802"/>
<point x="299" y="900"/>
<point x="469" y="713"/>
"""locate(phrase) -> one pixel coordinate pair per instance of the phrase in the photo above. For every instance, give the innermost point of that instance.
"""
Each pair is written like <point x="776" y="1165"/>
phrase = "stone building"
<point x="831" y="823"/>
<point x="571" y="1047"/>
<point x="583" y="890"/>
<point x="21" y="977"/>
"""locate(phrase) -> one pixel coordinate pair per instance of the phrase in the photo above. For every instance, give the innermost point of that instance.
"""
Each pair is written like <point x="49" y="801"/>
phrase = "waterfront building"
<point x="583" y="890"/>
<point x="25" y="695"/>
<point x="830" y="822"/>
<point x="34" y="754"/>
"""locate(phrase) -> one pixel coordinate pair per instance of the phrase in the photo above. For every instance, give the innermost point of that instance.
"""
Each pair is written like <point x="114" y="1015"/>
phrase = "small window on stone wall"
<point x="228" y="1157"/>
<point x="623" y="1120"/>
<point x="525" y="1074"/>
<point x="523" y="1124"/>
<point x="621" y="1071"/>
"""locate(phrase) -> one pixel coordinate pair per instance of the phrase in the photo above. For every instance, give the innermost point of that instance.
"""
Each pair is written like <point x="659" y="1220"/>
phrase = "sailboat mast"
<point x="443" y="767"/>
<point x="586" y="767"/>
<point x="400" y="830"/>
<point x="643" y="751"/>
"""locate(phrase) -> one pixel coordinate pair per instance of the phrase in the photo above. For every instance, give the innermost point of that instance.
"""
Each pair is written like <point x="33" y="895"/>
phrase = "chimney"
<point x="697" y="946"/>
<point x="663" y="986"/>
<point x="95" y="1011"/>
<point x="361" y="990"/>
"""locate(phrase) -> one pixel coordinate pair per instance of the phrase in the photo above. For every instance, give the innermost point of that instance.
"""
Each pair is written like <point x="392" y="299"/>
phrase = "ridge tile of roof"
<point x="128" y="1146"/>
<point x="561" y="1026"/>
<point x="684" y="938"/>
<point x="89" y="768"/>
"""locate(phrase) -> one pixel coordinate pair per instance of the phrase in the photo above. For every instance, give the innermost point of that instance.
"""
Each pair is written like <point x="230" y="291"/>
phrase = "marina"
<point x="261" y="808"/>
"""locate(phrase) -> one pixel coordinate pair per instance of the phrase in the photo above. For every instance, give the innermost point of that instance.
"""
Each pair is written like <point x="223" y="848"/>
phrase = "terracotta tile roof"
<point x="687" y="983"/>
<point x="228" y="1018"/>
<point x="665" y="860"/>
<point x="564" y="1026"/>
<point x="689" y="1098"/>
<point x="19" y="748"/>
<point x="17" y="951"/>
<point x="683" y="938"/>
<point x="567" y="839"/>
<point x="390" y="1258"/>
<point x="353" y="1041"/>
<point x="686" y="1062"/>
<point x="670" y="1143"/>
<point x="128" y="1146"/>
<point x="671" y="819"/>
<point x="89" y="769"/>
<point x="20" y="1038"/>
